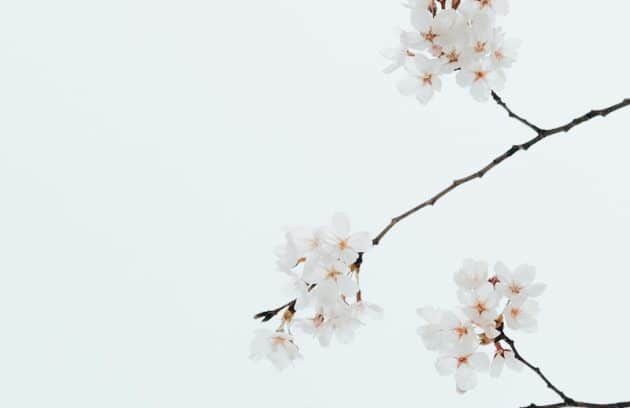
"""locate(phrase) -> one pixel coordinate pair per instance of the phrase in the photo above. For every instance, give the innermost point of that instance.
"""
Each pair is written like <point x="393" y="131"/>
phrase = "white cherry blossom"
<point x="517" y="284"/>
<point x="493" y="6"/>
<point x="288" y="256"/>
<point x="472" y="275"/>
<point x="464" y="361"/>
<point x="277" y="347"/>
<point x="362" y="310"/>
<point x="423" y="80"/>
<point x="479" y="304"/>
<point x="337" y="320"/>
<point x="503" y="357"/>
<point x="332" y="279"/>
<point x="430" y="28"/>
<point x="520" y="314"/>
<point x="463" y="37"/>
<point x="299" y="290"/>
<point x="443" y="329"/>
<point x="482" y="78"/>
<point x="343" y="245"/>
<point x="503" y="51"/>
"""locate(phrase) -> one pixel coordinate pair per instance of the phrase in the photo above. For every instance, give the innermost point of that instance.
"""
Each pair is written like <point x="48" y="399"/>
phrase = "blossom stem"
<point x="540" y="135"/>
<point x="566" y="400"/>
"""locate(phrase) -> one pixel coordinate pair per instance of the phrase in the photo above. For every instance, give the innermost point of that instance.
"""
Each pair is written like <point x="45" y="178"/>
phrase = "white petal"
<point x="502" y="271"/>
<point x="341" y="224"/>
<point x="424" y="94"/>
<point x="347" y="286"/>
<point x="360" y="241"/>
<point x="349" y="256"/>
<point x="479" y="361"/>
<point x="430" y="314"/>
<point x="465" y="78"/>
<point x="408" y="85"/>
<point x="375" y="312"/>
<point x="421" y="19"/>
<point x="480" y="91"/>
<point x="446" y="365"/>
<point x="325" y="336"/>
<point x="525" y="274"/>
<point x="497" y="366"/>
<point x="465" y="378"/>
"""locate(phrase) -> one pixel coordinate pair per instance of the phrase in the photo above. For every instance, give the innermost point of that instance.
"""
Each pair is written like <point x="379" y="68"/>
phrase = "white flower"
<point x="518" y="284"/>
<point x="398" y="56"/>
<point x="454" y="45"/>
<point x="300" y="290"/>
<point x="482" y="78"/>
<point x="503" y="357"/>
<point x="480" y="304"/>
<point x="288" y="256"/>
<point x="336" y="320"/>
<point x="480" y="34"/>
<point x="278" y="347"/>
<point x="362" y="310"/>
<point x="343" y="245"/>
<point x="423" y="79"/>
<point x="309" y="243"/>
<point x="472" y="274"/>
<point x="520" y="313"/>
<point x="332" y="280"/>
<point x="443" y="329"/>
<point x="429" y="27"/>
<point x="463" y="361"/>
<point x="493" y="6"/>
<point x="503" y="51"/>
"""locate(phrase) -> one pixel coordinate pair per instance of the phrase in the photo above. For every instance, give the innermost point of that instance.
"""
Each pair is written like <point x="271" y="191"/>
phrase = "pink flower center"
<point x="480" y="75"/>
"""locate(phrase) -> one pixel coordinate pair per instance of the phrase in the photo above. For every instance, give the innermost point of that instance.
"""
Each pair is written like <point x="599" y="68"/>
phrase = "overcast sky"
<point x="151" y="153"/>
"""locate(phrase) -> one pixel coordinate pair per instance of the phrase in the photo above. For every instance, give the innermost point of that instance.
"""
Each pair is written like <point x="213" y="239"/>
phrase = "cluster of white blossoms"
<point x="487" y="304"/>
<point x="323" y="266"/>
<point x="453" y="36"/>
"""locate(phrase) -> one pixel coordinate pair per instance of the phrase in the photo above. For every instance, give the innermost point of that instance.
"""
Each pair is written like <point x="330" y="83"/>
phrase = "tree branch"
<point x="541" y="134"/>
<point x="566" y="400"/>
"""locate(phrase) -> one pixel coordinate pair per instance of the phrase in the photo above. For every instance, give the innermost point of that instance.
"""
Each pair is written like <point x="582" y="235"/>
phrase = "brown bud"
<point x="485" y="340"/>
<point x="288" y="315"/>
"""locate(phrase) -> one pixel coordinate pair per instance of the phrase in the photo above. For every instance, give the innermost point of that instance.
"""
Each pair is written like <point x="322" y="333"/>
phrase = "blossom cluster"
<point x="487" y="304"/>
<point x="322" y="265"/>
<point x="453" y="36"/>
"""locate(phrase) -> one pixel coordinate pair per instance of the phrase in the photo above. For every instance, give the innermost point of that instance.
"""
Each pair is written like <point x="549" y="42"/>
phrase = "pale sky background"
<point x="151" y="152"/>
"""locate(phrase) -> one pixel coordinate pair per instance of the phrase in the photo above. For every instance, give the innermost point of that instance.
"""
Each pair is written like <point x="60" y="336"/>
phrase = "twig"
<point x="566" y="400"/>
<point x="540" y="135"/>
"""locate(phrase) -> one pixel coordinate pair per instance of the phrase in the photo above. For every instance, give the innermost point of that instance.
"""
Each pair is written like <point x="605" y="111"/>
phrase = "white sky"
<point x="152" y="151"/>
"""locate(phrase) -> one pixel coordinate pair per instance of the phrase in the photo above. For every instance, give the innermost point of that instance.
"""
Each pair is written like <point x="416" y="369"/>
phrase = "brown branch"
<point x="566" y="400"/>
<point x="541" y="134"/>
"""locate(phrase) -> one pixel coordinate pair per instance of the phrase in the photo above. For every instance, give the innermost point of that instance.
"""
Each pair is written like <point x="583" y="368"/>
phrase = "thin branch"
<point x="566" y="400"/>
<point x="541" y="134"/>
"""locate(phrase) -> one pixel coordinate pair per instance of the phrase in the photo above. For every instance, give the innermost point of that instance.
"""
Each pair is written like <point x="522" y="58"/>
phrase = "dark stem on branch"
<point x="566" y="400"/>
